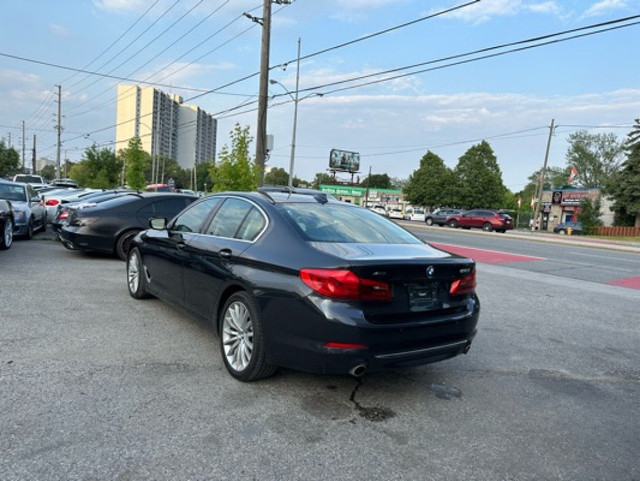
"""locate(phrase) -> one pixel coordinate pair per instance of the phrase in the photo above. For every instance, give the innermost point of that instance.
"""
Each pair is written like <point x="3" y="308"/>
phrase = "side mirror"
<point x="158" y="223"/>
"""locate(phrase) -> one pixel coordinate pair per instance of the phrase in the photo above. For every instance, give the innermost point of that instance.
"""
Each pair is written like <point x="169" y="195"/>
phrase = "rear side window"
<point x="229" y="218"/>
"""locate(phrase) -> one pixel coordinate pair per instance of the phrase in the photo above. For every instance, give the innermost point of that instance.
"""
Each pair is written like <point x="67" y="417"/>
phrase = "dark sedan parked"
<point x="109" y="226"/>
<point x="6" y="224"/>
<point x="297" y="279"/>
<point x="90" y="199"/>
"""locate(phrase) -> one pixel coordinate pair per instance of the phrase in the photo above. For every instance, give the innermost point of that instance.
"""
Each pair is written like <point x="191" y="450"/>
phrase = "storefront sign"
<point x="572" y="198"/>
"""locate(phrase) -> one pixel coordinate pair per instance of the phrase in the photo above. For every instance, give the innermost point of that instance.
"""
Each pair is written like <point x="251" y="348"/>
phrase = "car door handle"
<point x="181" y="246"/>
<point x="225" y="253"/>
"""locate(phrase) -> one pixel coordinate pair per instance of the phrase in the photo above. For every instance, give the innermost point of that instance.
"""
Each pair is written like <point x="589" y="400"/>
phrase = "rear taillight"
<point x="63" y="214"/>
<point x="344" y="284"/>
<point x="52" y="202"/>
<point x="466" y="285"/>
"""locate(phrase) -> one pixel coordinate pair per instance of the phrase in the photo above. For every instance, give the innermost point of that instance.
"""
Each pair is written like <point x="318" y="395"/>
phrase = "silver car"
<point x="28" y="208"/>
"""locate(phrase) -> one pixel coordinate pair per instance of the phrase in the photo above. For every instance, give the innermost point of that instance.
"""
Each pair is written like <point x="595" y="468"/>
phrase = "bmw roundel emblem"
<point x="430" y="271"/>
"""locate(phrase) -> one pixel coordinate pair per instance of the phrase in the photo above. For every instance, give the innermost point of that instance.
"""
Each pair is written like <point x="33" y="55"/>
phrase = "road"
<point x="594" y="263"/>
<point x="96" y="385"/>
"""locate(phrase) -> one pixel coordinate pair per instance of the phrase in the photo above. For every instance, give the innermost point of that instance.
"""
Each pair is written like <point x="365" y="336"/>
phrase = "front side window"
<point x="191" y="220"/>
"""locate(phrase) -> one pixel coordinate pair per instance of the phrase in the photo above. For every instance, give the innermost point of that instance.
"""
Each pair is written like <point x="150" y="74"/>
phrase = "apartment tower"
<point x="165" y="126"/>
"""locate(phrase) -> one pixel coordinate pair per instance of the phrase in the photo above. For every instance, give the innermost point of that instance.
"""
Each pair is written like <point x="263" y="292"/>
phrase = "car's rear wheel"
<point x="7" y="235"/>
<point x="487" y="227"/>
<point x="135" y="276"/>
<point x="453" y="223"/>
<point x="124" y="242"/>
<point x="429" y="221"/>
<point x="242" y="341"/>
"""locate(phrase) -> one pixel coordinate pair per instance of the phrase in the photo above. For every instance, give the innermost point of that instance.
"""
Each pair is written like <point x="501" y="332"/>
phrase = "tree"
<point x="277" y="176"/>
<point x="379" y="181"/>
<point x="431" y="184"/>
<point x="624" y="186"/>
<point x="98" y="169"/>
<point x="589" y="213"/>
<point x="596" y="157"/>
<point x="236" y="170"/>
<point x="136" y="161"/>
<point x="478" y="179"/>
<point x="203" y="176"/>
<point x="322" y="178"/>
<point x="9" y="160"/>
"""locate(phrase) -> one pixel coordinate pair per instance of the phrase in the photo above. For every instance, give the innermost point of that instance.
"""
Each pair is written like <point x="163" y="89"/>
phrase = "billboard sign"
<point x="344" y="161"/>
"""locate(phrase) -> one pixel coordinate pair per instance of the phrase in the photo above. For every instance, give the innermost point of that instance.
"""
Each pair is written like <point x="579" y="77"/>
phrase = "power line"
<point x="114" y="42"/>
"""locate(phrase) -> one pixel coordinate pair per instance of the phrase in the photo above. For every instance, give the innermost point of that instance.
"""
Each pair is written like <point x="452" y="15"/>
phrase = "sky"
<point x="389" y="79"/>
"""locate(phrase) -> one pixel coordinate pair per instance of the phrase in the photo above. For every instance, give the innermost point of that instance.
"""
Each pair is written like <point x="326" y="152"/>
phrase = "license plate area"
<point x="423" y="296"/>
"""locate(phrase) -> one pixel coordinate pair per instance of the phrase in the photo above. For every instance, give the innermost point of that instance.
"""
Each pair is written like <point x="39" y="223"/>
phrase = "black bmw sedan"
<point x="109" y="226"/>
<point x="297" y="279"/>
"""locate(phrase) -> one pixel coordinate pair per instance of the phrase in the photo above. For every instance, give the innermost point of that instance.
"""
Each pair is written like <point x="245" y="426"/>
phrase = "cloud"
<point x="59" y="31"/>
<point x="121" y="5"/>
<point x="604" y="6"/>
<point x="487" y="9"/>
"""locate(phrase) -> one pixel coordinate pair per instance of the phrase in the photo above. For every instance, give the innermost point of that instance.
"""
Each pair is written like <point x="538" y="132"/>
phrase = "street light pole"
<point x="295" y="119"/>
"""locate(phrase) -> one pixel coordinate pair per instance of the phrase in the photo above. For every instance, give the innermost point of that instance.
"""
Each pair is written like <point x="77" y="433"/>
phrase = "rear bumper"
<point x="82" y="238"/>
<point x="303" y="346"/>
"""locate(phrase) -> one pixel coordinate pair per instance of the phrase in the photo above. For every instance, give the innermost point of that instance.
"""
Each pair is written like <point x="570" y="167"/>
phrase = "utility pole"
<point x="541" y="181"/>
<point x="33" y="157"/>
<point x="261" y="134"/>
<point x="24" y="165"/>
<point x="59" y="129"/>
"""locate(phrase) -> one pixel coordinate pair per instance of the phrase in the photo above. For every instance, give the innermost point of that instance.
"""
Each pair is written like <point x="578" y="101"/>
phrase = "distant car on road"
<point x="485" y="219"/>
<point x="34" y="180"/>
<point x="563" y="228"/>
<point x="396" y="214"/>
<point x="28" y="209"/>
<point x="379" y="209"/>
<point x="439" y="216"/>
<point x="417" y="215"/>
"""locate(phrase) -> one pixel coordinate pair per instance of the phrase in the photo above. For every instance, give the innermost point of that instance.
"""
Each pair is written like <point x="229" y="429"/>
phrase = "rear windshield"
<point x="334" y="222"/>
<point x="505" y="216"/>
<point x="35" y="179"/>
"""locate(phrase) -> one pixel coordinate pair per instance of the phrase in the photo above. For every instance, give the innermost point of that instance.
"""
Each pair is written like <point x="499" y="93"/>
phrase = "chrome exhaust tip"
<point x="358" y="370"/>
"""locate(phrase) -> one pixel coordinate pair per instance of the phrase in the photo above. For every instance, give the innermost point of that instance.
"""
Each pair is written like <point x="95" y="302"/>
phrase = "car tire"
<point x="453" y="224"/>
<point x="242" y="341"/>
<point x="7" y="235"/>
<point x="29" y="233"/>
<point x="136" y="281"/>
<point x="429" y="221"/>
<point x="123" y="243"/>
<point x="487" y="227"/>
<point x="562" y="232"/>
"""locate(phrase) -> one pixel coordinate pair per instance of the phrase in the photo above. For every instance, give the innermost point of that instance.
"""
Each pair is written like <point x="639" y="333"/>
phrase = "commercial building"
<point x="166" y="127"/>
<point x="563" y="205"/>
<point x="367" y="197"/>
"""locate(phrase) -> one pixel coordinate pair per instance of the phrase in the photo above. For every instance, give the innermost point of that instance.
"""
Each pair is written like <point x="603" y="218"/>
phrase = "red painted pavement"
<point x="631" y="283"/>
<point x="485" y="256"/>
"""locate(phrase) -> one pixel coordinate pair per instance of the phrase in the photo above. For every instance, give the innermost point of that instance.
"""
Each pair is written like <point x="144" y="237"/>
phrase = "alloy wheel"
<point x="237" y="336"/>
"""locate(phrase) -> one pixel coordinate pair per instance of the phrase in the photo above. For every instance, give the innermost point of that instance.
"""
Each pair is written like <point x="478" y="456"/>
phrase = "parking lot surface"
<point x="96" y="385"/>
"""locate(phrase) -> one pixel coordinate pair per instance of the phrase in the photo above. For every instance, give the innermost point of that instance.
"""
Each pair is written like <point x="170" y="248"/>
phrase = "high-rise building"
<point x="165" y="126"/>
